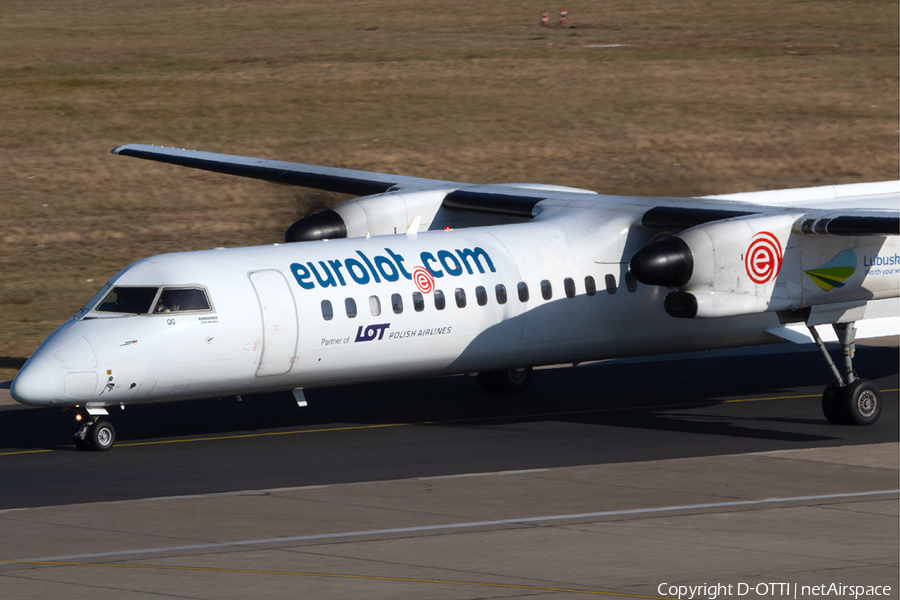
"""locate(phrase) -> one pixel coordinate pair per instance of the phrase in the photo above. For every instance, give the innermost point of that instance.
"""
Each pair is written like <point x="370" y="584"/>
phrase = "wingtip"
<point x="129" y="149"/>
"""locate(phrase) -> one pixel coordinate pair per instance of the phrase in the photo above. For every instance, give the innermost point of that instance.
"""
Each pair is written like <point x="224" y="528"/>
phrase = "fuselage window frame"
<point x="374" y="306"/>
<point x="590" y="286"/>
<point x="569" y="287"/>
<point x="522" y="289"/>
<point x="418" y="301"/>
<point x="327" y="310"/>
<point x="546" y="289"/>
<point x="481" y="296"/>
<point x="460" y="295"/>
<point x="350" y="308"/>
<point x="397" y="303"/>
<point x="630" y="283"/>
<point x="611" y="284"/>
<point x="440" y="301"/>
<point x="500" y="292"/>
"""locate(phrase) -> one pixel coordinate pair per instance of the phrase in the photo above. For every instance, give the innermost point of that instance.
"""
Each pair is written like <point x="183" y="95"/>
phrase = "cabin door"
<point x="279" y="322"/>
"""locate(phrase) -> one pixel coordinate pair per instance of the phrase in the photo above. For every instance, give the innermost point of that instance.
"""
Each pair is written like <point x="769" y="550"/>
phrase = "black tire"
<point x="486" y="381"/>
<point x="101" y="436"/>
<point x="862" y="402"/>
<point x="513" y="380"/>
<point x="833" y="404"/>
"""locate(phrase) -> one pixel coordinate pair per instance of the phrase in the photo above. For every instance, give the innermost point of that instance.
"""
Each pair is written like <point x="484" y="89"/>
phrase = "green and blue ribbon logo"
<point x="835" y="272"/>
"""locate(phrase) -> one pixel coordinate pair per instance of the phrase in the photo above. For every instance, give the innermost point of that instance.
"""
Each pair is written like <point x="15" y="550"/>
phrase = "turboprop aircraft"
<point x="421" y="277"/>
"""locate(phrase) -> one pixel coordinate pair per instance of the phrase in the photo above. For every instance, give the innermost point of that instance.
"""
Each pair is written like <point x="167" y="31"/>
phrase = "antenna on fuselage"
<point x="413" y="228"/>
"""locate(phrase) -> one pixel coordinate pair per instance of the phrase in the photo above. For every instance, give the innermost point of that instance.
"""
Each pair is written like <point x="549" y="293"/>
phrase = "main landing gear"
<point x="508" y="380"/>
<point x="91" y="433"/>
<point x="848" y="400"/>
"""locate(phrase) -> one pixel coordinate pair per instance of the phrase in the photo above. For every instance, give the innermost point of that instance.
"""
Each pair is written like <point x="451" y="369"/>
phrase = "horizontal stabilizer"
<point x="332" y="179"/>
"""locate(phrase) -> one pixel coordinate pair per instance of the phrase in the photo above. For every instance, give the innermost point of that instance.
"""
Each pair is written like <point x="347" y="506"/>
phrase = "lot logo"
<point x="763" y="258"/>
<point x="372" y="332"/>
<point x="835" y="272"/>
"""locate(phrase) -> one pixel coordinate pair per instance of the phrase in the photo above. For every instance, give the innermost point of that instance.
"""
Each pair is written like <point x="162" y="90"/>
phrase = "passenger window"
<point x="630" y="282"/>
<point x="590" y="286"/>
<point x="569" y="286"/>
<point x="523" y="291"/>
<point x="480" y="295"/>
<point x="460" y="297"/>
<point x="611" y="284"/>
<point x="500" y="289"/>
<point x="546" y="290"/>
<point x="350" y="306"/>
<point x="439" y="301"/>
<point x="418" y="301"/>
<point x="327" y="310"/>
<point x="397" y="303"/>
<point x="374" y="306"/>
<point x="132" y="300"/>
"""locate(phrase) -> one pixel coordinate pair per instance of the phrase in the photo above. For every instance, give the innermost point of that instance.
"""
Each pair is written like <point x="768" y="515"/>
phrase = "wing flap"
<point x="851" y="225"/>
<point x="683" y="217"/>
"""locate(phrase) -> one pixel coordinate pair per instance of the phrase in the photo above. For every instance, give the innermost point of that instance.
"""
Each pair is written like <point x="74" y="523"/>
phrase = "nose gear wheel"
<point x="93" y="434"/>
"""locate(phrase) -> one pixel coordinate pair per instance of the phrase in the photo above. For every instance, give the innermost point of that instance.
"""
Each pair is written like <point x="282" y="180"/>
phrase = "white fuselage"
<point x="327" y="312"/>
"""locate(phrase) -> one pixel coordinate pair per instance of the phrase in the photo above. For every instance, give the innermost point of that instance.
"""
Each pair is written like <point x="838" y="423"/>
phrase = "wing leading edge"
<point x="332" y="179"/>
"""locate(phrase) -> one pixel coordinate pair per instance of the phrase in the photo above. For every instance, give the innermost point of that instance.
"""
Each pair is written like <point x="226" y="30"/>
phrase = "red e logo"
<point x="763" y="258"/>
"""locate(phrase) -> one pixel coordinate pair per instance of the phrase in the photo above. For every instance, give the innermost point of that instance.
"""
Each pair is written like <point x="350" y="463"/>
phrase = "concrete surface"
<point x="690" y="521"/>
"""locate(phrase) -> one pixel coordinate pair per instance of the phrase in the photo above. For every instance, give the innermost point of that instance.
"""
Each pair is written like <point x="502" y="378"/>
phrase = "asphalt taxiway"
<point x="608" y="479"/>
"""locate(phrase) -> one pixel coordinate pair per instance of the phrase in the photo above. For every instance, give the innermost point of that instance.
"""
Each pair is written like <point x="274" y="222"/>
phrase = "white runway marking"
<point x="325" y="536"/>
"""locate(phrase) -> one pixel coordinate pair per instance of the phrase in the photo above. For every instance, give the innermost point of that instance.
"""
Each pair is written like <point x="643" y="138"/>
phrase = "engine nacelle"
<point x="381" y="214"/>
<point x="725" y="268"/>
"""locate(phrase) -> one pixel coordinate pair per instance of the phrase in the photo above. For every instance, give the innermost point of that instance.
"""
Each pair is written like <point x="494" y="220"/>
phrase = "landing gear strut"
<point x="91" y="433"/>
<point x="508" y="380"/>
<point x="848" y="400"/>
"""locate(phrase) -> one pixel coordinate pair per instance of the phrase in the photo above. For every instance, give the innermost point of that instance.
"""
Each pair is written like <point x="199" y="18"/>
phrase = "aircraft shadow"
<point x="685" y="396"/>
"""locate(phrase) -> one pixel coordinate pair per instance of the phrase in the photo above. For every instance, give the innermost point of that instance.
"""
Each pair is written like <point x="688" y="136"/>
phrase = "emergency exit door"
<point x="279" y="322"/>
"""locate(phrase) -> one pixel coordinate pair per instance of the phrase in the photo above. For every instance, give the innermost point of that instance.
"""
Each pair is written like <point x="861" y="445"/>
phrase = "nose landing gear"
<point x="848" y="400"/>
<point x="91" y="433"/>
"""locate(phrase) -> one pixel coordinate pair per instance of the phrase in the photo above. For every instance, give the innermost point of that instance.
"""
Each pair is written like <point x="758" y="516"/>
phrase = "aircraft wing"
<point x="837" y="210"/>
<point x="332" y="179"/>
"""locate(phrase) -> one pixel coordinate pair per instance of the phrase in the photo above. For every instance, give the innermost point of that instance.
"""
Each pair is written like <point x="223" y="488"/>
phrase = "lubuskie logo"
<point x="362" y="269"/>
<point x="835" y="272"/>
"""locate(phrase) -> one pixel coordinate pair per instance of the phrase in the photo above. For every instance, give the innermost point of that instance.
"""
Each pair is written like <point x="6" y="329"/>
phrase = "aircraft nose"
<point x="35" y="382"/>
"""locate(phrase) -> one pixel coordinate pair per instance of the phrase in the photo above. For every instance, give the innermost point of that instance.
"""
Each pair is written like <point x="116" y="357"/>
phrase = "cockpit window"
<point x="95" y="299"/>
<point x="132" y="300"/>
<point x="181" y="300"/>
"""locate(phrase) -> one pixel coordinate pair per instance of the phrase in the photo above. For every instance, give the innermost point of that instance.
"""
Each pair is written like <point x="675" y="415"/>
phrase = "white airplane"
<point x="423" y="277"/>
